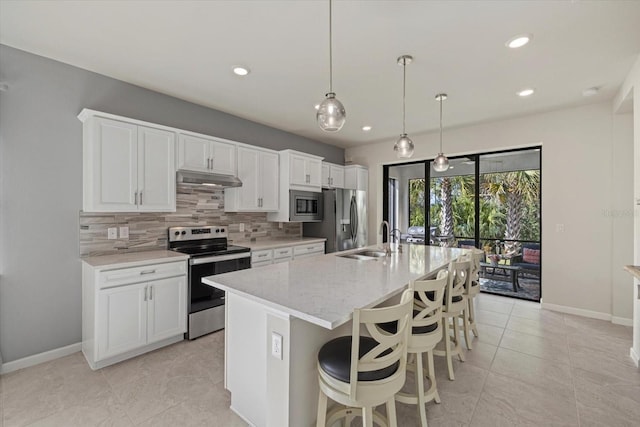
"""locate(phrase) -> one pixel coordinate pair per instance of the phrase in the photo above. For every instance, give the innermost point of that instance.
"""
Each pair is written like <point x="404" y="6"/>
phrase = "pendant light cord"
<point x="441" y="124"/>
<point x="404" y="84"/>
<point x="330" y="52"/>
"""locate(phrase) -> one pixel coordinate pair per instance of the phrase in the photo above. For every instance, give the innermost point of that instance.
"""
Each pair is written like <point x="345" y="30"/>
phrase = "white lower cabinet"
<point x="309" y="250"/>
<point x="264" y="257"/>
<point x="129" y="311"/>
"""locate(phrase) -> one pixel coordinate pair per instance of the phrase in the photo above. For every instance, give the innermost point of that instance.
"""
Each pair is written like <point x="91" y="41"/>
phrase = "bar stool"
<point x="471" y="291"/>
<point x="366" y="371"/>
<point x="455" y="305"/>
<point x="426" y="332"/>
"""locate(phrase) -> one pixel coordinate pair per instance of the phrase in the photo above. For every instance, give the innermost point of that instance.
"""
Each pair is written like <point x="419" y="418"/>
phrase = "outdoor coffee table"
<point x="512" y="269"/>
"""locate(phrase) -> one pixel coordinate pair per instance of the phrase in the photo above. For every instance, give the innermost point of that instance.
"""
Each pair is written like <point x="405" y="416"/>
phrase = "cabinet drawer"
<point x="145" y="273"/>
<point x="308" y="249"/>
<point x="281" y="253"/>
<point x="261" y="256"/>
<point x="260" y="264"/>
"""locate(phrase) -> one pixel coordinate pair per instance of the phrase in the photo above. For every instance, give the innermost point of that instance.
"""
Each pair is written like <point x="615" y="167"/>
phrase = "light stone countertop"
<point x="134" y="259"/>
<point x="634" y="270"/>
<point x="280" y="243"/>
<point x="325" y="289"/>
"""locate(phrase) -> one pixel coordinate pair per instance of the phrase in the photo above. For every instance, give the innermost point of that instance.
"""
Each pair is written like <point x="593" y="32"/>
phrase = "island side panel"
<point x="306" y="341"/>
<point x="245" y="358"/>
<point x="277" y="397"/>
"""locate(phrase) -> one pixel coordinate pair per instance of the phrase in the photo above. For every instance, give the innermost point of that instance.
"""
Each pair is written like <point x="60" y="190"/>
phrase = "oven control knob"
<point x="177" y="233"/>
<point x="183" y="233"/>
<point x="217" y="230"/>
<point x="222" y="230"/>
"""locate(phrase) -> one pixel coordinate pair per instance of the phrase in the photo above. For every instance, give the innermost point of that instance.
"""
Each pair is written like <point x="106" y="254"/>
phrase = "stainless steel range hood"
<point x="205" y="178"/>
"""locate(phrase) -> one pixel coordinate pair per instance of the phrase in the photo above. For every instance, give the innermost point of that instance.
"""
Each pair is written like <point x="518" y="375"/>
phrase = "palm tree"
<point x="516" y="190"/>
<point x="446" y="212"/>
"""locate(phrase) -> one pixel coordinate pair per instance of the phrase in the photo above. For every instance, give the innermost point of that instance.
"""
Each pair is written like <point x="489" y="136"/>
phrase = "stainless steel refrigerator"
<point x="344" y="222"/>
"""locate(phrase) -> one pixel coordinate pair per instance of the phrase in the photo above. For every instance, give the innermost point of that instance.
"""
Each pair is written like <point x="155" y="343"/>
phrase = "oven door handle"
<point x="218" y="258"/>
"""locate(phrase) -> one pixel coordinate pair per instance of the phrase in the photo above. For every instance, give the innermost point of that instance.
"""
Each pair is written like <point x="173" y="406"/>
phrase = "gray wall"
<point x="41" y="185"/>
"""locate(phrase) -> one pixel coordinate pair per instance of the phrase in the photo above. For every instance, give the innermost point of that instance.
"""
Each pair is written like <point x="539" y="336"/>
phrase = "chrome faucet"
<point x="386" y="246"/>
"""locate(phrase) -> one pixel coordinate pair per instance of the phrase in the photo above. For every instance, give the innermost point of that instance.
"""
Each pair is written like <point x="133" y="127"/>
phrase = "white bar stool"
<point x="426" y="332"/>
<point x="367" y="371"/>
<point x="455" y="304"/>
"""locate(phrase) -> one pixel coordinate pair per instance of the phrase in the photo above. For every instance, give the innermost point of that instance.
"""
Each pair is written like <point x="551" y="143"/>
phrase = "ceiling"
<point x="187" y="49"/>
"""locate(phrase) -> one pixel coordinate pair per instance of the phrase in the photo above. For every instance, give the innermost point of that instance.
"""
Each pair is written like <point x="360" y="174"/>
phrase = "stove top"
<point x="210" y="251"/>
<point x="207" y="240"/>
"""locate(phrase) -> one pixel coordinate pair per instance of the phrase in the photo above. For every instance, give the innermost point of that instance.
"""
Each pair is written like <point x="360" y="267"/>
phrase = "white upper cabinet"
<point x="259" y="172"/>
<point x="202" y="154"/>
<point x="156" y="177"/>
<point x="332" y="175"/>
<point x="126" y="167"/>
<point x="356" y="177"/>
<point x="305" y="170"/>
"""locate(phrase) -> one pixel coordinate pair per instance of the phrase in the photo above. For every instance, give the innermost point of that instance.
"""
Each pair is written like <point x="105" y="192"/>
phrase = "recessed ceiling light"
<point x="525" y="92"/>
<point x="366" y="128"/>
<point x="519" y="41"/>
<point x="591" y="91"/>
<point x="241" y="71"/>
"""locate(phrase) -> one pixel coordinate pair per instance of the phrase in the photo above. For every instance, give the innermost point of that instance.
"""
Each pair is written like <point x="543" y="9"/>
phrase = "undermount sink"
<point x="365" y="255"/>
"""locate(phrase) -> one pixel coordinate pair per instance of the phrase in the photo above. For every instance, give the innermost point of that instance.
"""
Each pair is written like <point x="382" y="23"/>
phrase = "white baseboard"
<point x="621" y="321"/>
<point x="241" y="416"/>
<point x="577" y="311"/>
<point x="37" y="359"/>
<point x="635" y="357"/>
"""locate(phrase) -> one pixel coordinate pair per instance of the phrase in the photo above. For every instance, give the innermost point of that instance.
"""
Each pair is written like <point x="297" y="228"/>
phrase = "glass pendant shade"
<point x="331" y="114"/>
<point x="441" y="163"/>
<point x="404" y="147"/>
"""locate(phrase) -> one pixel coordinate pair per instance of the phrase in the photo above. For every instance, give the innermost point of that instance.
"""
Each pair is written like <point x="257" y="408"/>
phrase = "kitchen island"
<point x="304" y="303"/>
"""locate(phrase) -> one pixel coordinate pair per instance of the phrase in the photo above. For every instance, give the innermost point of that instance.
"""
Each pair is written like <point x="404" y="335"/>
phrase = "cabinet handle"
<point x="136" y="198"/>
<point x="283" y="252"/>
<point x="211" y="167"/>
<point x="145" y="293"/>
<point x="150" y="292"/>
<point x="147" y="272"/>
<point x="208" y="163"/>
<point x="141" y="198"/>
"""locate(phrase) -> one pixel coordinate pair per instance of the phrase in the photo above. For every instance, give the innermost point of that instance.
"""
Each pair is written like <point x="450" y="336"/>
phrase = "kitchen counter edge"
<point x="280" y="243"/>
<point x="133" y="259"/>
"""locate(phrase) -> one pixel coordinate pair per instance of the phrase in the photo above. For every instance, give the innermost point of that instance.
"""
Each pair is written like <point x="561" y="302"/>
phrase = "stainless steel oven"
<point x="209" y="255"/>
<point x="305" y="206"/>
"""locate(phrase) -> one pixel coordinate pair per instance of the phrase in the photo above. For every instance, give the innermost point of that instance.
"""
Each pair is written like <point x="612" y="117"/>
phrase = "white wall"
<point x="577" y="165"/>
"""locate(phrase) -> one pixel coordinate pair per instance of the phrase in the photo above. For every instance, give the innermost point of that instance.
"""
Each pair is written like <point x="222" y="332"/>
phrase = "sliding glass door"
<point x="489" y="201"/>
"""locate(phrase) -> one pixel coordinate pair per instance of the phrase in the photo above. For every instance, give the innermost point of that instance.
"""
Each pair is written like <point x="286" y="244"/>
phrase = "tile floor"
<point x="529" y="367"/>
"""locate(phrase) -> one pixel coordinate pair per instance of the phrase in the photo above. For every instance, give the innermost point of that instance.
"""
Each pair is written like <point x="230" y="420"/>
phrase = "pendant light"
<point x="404" y="145"/>
<point x="441" y="163"/>
<point x="331" y="114"/>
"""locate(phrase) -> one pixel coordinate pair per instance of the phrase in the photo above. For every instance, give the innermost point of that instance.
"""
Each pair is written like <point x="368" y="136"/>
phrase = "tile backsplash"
<point x="194" y="206"/>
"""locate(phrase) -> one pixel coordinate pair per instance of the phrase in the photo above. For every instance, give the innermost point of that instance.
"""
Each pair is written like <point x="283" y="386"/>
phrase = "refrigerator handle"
<point x="354" y="219"/>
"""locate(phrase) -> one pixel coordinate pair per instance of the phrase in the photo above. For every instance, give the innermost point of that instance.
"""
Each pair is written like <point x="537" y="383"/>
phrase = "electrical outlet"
<point x="559" y="228"/>
<point x="276" y="345"/>
<point x="241" y="227"/>
<point x="112" y="233"/>
<point x="124" y="232"/>
<point x="280" y="225"/>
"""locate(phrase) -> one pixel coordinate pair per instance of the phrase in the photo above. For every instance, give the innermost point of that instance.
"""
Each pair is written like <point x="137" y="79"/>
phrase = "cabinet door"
<point x="326" y="176"/>
<point x="110" y="169"/>
<point x="167" y="315"/>
<point x="223" y="158"/>
<point x="297" y="170"/>
<point x="248" y="171"/>
<point x="314" y="170"/>
<point x="121" y="319"/>
<point x="194" y="153"/>
<point x="337" y="176"/>
<point x="269" y="181"/>
<point x="156" y="170"/>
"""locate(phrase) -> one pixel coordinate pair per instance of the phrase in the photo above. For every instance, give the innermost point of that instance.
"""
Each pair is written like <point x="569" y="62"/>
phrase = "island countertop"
<point x="634" y="270"/>
<point x="325" y="289"/>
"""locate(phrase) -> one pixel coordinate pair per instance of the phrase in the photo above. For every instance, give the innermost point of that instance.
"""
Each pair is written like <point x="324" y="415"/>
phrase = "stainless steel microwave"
<point x="305" y="206"/>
